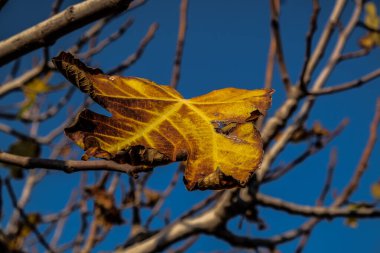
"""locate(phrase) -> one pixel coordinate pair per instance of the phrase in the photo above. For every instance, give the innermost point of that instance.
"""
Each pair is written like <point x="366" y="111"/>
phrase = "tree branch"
<point x="48" y="31"/>
<point x="275" y="9"/>
<point x="69" y="166"/>
<point x="323" y="41"/>
<point x="25" y="218"/>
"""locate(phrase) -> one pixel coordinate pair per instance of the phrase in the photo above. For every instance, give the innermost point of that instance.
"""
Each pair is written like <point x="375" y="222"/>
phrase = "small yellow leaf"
<point x="351" y="221"/>
<point x="371" y="20"/>
<point x="153" y="124"/>
<point x="371" y="15"/>
<point x="375" y="190"/>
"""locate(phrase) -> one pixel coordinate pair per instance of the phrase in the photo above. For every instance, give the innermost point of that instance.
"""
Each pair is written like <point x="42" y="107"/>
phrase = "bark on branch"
<point x="48" y="31"/>
<point x="69" y="166"/>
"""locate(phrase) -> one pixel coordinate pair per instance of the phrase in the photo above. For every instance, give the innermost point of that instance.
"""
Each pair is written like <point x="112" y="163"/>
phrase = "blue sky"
<point x="226" y="46"/>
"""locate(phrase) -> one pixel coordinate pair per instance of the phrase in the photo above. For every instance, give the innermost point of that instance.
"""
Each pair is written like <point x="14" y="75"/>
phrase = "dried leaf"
<point x="319" y="130"/>
<point x="107" y="213"/>
<point x="151" y="197"/>
<point x="153" y="125"/>
<point x="24" y="148"/>
<point x="375" y="190"/>
<point x="372" y="21"/>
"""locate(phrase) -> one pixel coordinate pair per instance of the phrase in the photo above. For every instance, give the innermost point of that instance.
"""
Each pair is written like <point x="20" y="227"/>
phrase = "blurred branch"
<point x="136" y="3"/>
<point x="55" y="7"/>
<point x="326" y="187"/>
<point x="90" y="33"/>
<point x="140" y="50"/>
<point x="309" y="40"/>
<point x="2" y="3"/>
<point x="157" y="207"/>
<point x="180" y="44"/>
<point x="9" y="130"/>
<point x="208" y="222"/>
<point x="330" y="172"/>
<point x="48" y="31"/>
<point x="21" y="80"/>
<point x="102" y="44"/>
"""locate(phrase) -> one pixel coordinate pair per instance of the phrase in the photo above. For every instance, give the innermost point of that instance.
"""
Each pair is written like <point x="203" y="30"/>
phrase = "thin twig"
<point x="13" y="197"/>
<point x="312" y="149"/>
<point x="330" y="172"/>
<point x="165" y="194"/>
<point x="140" y="50"/>
<point x="180" y="44"/>
<point x="309" y="40"/>
<point x="275" y="10"/>
<point x="320" y="201"/>
<point x="3" y="3"/>
<point x="363" y="163"/>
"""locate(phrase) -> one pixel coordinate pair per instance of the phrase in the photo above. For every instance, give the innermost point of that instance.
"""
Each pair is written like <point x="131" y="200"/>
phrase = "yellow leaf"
<point x="352" y="222"/>
<point x="34" y="88"/>
<point x="375" y="190"/>
<point x="153" y="124"/>
<point x="372" y="21"/>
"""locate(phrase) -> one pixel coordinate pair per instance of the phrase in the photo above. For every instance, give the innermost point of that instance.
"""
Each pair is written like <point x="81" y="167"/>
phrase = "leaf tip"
<point x="75" y="71"/>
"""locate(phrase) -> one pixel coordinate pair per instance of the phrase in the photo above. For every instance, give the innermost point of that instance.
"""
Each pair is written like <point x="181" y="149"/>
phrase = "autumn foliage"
<point x="153" y="124"/>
